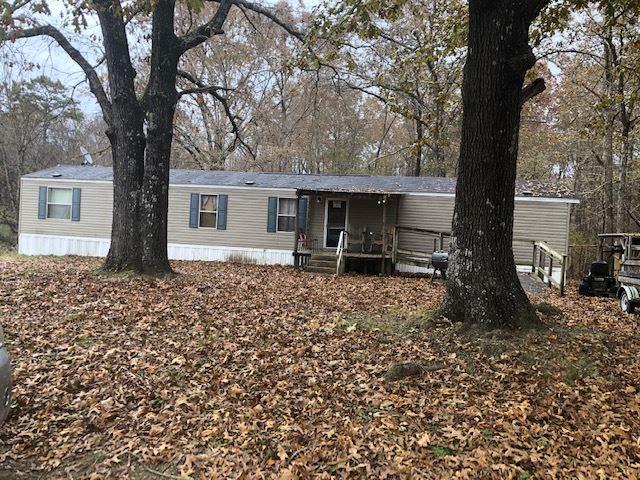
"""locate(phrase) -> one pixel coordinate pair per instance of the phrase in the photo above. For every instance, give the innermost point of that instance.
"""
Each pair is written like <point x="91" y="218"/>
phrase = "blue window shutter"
<point x="75" y="205"/>
<point x="222" y="212"/>
<point x="42" y="203"/>
<point x="303" y="207"/>
<point x="272" y="219"/>
<point x="194" y="210"/>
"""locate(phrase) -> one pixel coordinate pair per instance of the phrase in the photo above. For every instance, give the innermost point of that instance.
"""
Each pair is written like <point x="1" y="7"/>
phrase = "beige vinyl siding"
<point x="247" y="216"/>
<point x="96" y="199"/>
<point x="540" y="221"/>
<point x="429" y="212"/>
<point x="536" y="220"/>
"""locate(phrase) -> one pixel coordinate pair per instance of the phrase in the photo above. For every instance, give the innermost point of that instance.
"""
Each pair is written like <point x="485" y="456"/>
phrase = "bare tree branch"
<point x="235" y="129"/>
<point x="534" y="88"/>
<point x="95" y="85"/>
<point x="209" y="29"/>
<point x="268" y="13"/>
<point x="205" y="89"/>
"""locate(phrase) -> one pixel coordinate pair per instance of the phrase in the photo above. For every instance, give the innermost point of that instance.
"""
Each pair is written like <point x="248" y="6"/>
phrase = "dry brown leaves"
<point x="263" y="372"/>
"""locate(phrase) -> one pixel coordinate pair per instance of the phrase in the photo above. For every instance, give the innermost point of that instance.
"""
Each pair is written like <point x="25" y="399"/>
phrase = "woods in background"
<point x="369" y="95"/>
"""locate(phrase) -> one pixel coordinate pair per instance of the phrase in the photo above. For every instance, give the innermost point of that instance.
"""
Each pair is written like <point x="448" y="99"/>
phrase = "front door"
<point x="336" y="216"/>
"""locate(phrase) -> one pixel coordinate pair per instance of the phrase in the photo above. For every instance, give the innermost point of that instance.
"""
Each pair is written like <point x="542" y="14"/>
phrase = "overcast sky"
<point x="50" y="60"/>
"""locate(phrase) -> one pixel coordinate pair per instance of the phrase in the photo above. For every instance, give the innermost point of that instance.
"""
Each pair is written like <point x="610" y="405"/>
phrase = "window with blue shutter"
<point x="194" y="210"/>
<point x="272" y="214"/>
<point x="42" y="203"/>
<point x="75" y="205"/>
<point x="222" y="212"/>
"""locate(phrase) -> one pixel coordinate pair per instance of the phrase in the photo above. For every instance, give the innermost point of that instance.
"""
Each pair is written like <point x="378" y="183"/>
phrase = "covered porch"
<point x="356" y="231"/>
<point x="357" y="226"/>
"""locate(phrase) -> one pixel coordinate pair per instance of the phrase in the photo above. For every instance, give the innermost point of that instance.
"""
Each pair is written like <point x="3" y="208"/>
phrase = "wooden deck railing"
<point x="420" y="258"/>
<point x="544" y="260"/>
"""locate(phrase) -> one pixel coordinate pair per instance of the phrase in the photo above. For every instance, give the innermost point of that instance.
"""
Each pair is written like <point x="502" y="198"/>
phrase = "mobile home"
<point x="278" y="218"/>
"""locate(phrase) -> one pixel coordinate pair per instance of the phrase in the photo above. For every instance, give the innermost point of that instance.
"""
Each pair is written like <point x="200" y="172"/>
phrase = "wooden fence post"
<point x="563" y="273"/>
<point x="395" y="245"/>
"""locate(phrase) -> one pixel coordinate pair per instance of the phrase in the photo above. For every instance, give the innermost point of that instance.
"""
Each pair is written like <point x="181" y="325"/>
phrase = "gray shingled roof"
<point x="308" y="182"/>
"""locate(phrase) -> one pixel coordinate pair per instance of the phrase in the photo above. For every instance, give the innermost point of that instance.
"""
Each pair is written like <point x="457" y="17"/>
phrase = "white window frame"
<point x="278" y="215"/>
<point x="200" y="211"/>
<point x="70" y="205"/>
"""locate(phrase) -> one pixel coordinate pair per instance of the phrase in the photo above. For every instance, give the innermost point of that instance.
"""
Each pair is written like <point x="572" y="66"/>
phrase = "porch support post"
<point x="296" y="227"/>
<point x="383" y="268"/>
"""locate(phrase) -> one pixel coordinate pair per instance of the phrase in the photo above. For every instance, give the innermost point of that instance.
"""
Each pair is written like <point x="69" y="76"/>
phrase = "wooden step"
<point x="325" y="270"/>
<point x="315" y="262"/>
<point x="324" y="256"/>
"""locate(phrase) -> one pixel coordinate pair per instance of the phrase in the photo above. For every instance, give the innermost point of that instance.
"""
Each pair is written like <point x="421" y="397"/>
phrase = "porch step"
<point x="325" y="270"/>
<point x="322" y="262"/>
<point x="316" y="262"/>
<point x="329" y="256"/>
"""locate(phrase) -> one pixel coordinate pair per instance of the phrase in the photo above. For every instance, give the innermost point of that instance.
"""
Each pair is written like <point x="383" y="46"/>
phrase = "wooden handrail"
<point x="542" y="252"/>
<point x="445" y="233"/>
<point x="342" y="243"/>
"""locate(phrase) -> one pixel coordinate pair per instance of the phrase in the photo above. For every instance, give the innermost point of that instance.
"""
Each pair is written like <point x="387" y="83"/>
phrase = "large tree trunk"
<point x="127" y="145"/>
<point x="160" y="102"/>
<point x="482" y="285"/>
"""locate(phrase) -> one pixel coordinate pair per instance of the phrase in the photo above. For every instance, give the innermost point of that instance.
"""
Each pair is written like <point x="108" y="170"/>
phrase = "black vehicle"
<point x="619" y="275"/>
<point x="599" y="282"/>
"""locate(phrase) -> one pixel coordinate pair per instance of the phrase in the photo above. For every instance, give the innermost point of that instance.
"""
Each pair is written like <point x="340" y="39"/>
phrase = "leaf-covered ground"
<point x="263" y="372"/>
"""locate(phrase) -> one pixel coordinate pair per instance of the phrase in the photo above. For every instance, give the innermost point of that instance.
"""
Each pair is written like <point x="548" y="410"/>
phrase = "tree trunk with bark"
<point x="625" y="161"/>
<point x="160" y="100"/>
<point x="417" y="164"/>
<point x="607" y="153"/>
<point x="140" y="130"/>
<point x="126" y="135"/>
<point x="482" y="284"/>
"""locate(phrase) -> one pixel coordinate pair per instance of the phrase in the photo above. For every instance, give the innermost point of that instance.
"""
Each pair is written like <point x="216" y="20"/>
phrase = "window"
<point x="286" y="214"/>
<point x="59" y="202"/>
<point x="208" y="211"/>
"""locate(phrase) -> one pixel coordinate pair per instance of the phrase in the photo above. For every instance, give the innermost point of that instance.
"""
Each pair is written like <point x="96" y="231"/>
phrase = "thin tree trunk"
<point x="625" y="161"/>
<point x="417" y="166"/>
<point x="482" y="285"/>
<point x="607" y="154"/>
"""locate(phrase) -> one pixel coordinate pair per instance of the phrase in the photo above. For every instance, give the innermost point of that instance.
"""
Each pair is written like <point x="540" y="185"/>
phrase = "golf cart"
<point x="618" y="271"/>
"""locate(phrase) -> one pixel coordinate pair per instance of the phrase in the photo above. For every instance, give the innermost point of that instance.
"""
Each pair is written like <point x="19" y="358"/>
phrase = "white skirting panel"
<point x="403" y="268"/>
<point x="178" y="251"/>
<point x="32" y="244"/>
